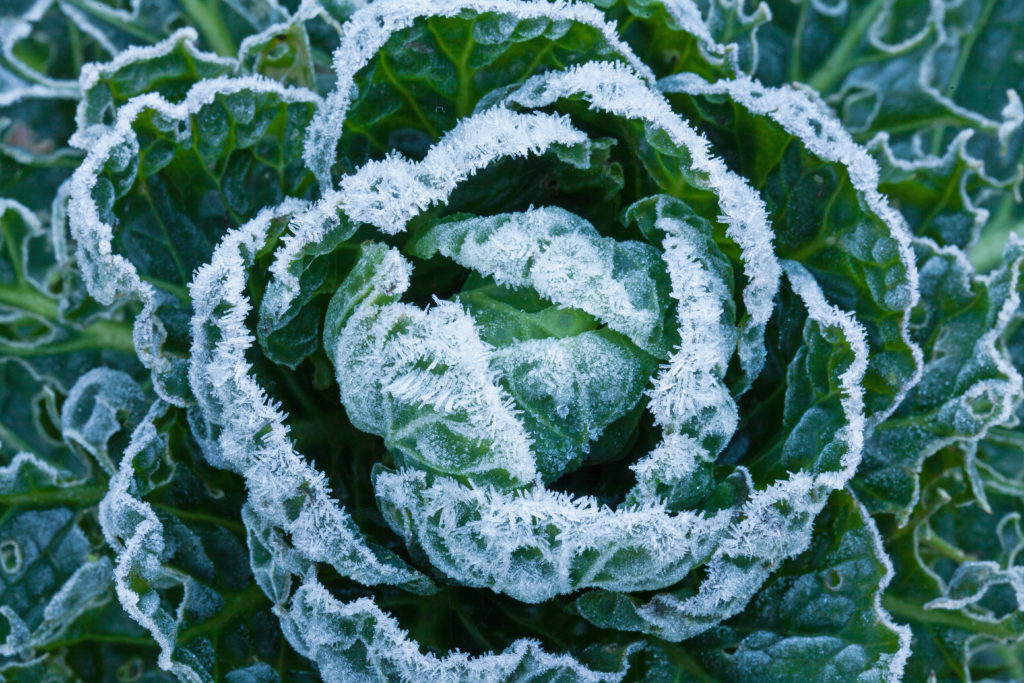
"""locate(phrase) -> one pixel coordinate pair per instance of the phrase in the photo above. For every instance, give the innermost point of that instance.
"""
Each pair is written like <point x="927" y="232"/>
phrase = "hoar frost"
<point x="487" y="340"/>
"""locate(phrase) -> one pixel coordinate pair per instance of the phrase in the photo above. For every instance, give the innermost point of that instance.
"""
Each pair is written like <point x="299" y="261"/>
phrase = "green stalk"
<point x="211" y="25"/>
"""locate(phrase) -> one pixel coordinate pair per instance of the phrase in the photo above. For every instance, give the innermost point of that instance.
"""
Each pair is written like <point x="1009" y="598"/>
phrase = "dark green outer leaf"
<point x="57" y="600"/>
<point x="822" y="193"/>
<point x="159" y="189"/>
<point x="967" y="386"/>
<point x="440" y="75"/>
<point x="917" y="74"/>
<point x="173" y="523"/>
<point x="819" y="617"/>
<point x="34" y="330"/>
<point x="958" y="567"/>
<point x="169" y="68"/>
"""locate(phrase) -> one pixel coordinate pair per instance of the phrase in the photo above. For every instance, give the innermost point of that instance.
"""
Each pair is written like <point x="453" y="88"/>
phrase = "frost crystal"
<point x="388" y="193"/>
<point x="615" y="89"/>
<point x="564" y="259"/>
<point x="366" y="32"/>
<point x="111" y="276"/>
<point x="391" y="358"/>
<point x="253" y="439"/>
<point x="409" y="327"/>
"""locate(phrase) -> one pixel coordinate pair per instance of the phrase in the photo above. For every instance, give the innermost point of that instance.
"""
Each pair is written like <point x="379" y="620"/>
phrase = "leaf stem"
<point x="80" y="496"/>
<point x="240" y="603"/>
<point x="837" y="64"/>
<point x="101" y="334"/>
<point x="203" y="518"/>
<point x="908" y="610"/>
<point x="798" y="43"/>
<point x="212" y="26"/>
<point x="398" y="85"/>
<point x="944" y="548"/>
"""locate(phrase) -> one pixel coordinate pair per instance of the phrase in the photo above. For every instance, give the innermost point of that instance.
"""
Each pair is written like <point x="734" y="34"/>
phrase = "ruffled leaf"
<point x="968" y="385"/>
<point x="173" y="524"/>
<point x="819" y="616"/>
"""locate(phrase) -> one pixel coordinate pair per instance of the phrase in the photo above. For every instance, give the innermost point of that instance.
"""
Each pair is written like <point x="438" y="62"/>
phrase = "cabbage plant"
<point x="508" y="340"/>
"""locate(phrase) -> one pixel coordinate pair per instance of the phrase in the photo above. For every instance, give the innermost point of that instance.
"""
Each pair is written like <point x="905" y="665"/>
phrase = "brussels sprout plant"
<point x="511" y="340"/>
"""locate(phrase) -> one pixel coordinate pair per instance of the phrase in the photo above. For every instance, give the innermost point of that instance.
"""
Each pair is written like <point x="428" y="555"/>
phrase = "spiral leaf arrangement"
<point x="496" y="340"/>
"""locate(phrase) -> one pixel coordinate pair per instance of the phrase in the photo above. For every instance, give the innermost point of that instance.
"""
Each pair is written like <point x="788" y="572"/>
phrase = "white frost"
<point x="252" y="438"/>
<point x="564" y="259"/>
<point x="616" y="89"/>
<point x="109" y="276"/>
<point x="388" y="193"/>
<point x="367" y="31"/>
<point x="385" y="358"/>
<point x="535" y="544"/>
<point x="331" y="632"/>
<point x="809" y="120"/>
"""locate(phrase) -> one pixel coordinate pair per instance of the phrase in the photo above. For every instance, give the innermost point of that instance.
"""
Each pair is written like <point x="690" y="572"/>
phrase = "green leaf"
<point x="285" y="55"/>
<point x="565" y="260"/>
<point x="237" y="152"/>
<point x="311" y="261"/>
<point x="818" y="617"/>
<point x="580" y="396"/>
<point x="34" y="157"/>
<point x="967" y="386"/>
<point x="736" y="24"/>
<point x="56" y="592"/>
<point x="57" y="443"/>
<point x="671" y="37"/>
<point x="828" y="214"/>
<point x="815" y="447"/>
<point x="357" y="636"/>
<point x="943" y="197"/>
<point x="173" y="522"/>
<point x="44" y="45"/>
<point x="545" y="359"/>
<point x="287" y="493"/>
<point x="357" y="639"/>
<point x="703" y="283"/>
<point x="958" y="575"/>
<point x="546" y="367"/>
<point x="169" y="68"/>
<point x="296" y="297"/>
<point x="430" y="393"/>
<point x="918" y="75"/>
<point x="158" y="190"/>
<point x="420" y="71"/>
<point x="38" y="331"/>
